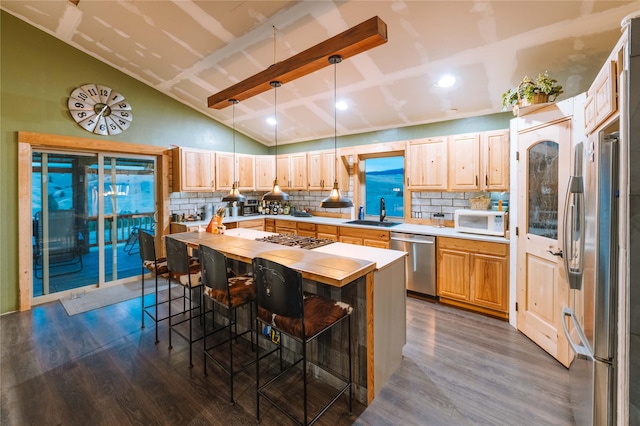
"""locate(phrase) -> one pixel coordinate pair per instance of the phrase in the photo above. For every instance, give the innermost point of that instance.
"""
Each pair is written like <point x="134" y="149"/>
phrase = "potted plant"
<point x="542" y="89"/>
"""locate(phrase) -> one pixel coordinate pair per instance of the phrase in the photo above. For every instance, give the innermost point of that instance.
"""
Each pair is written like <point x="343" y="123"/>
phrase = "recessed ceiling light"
<point x="342" y="105"/>
<point x="446" y="81"/>
<point x="271" y="121"/>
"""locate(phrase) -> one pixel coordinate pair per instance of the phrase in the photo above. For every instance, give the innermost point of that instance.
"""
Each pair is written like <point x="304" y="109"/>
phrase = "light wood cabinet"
<point x="283" y="226"/>
<point x="257" y="224"/>
<point x="321" y="166"/>
<point x="473" y="275"/>
<point x="225" y="171"/>
<point x="306" y="229"/>
<point x="464" y="162"/>
<point x="265" y="172"/>
<point x="193" y="170"/>
<point x="270" y="225"/>
<point x="328" y="232"/>
<point x="427" y="164"/>
<point x="601" y="100"/>
<point x="292" y="171"/>
<point x="495" y="160"/>
<point x="364" y="237"/>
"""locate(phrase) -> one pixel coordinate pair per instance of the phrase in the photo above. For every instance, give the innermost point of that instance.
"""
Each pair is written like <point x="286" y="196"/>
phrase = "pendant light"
<point x="276" y="194"/>
<point x="335" y="200"/>
<point x="234" y="195"/>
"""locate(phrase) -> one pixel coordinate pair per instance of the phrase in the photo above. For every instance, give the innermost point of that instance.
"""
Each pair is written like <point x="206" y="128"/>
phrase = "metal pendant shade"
<point x="276" y="194"/>
<point x="335" y="200"/>
<point x="234" y="195"/>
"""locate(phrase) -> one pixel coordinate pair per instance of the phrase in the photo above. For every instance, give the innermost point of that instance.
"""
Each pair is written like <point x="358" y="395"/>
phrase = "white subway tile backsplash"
<point x="442" y="202"/>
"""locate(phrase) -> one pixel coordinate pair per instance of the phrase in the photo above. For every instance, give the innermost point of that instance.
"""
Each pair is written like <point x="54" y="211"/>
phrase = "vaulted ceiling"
<point x="191" y="49"/>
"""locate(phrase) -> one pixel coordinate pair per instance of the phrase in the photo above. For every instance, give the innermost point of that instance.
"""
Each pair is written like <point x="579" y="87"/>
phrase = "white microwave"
<point x="485" y="222"/>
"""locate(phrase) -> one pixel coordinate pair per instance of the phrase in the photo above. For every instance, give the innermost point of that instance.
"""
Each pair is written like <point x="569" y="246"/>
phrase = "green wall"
<point x="37" y="74"/>
<point x="442" y="128"/>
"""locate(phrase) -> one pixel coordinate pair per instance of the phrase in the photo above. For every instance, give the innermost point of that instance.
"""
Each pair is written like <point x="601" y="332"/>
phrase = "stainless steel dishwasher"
<point x="420" y="265"/>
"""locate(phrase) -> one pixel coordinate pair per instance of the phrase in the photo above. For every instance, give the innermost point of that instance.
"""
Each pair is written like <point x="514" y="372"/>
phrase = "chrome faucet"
<point x="383" y="210"/>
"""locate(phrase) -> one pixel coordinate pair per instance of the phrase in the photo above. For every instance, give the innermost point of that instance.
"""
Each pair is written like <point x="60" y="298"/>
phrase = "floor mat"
<point x="83" y="302"/>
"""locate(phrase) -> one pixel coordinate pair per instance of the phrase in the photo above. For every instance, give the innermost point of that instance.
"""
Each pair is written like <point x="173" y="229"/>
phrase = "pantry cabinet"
<point x="426" y="161"/>
<point x="473" y="275"/>
<point x="193" y="170"/>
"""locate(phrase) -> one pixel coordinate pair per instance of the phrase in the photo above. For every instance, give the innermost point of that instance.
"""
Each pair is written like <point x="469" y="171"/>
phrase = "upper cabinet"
<point x="244" y="171"/>
<point x="602" y="97"/>
<point x="464" y="162"/>
<point x="323" y="167"/>
<point x="427" y="164"/>
<point x="265" y="172"/>
<point x="494" y="148"/>
<point x="292" y="171"/>
<point x="193" y="169"/>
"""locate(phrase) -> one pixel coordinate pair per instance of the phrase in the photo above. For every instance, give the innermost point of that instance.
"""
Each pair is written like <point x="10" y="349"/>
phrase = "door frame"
<point x="27" y="142"/>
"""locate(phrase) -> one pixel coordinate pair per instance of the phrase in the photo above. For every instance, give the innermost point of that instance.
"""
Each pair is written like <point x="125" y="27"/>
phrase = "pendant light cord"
<point x="233" y="115"/>
<point x="335" y="120"/>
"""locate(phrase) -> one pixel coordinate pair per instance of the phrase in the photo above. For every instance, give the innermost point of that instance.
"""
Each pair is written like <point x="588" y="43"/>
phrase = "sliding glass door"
<point x="85" y="226"/>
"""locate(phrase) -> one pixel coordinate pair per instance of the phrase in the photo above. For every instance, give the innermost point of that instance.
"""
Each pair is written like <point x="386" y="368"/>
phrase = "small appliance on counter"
<point x="483" y="222"/>
<point x="250" y="208"/>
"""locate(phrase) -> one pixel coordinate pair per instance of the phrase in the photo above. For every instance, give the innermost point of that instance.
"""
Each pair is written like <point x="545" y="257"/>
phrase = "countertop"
<point x="317" y="266"/>
<point x="381" y="257"/>
<point x="403" y="227"/>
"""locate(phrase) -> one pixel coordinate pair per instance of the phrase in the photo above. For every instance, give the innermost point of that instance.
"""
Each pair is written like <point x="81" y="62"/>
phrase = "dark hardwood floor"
<point x="100" y="368"/>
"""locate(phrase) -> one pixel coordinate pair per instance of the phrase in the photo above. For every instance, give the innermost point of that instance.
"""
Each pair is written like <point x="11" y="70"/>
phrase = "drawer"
<point x="327" y="229"/>
<point x="471" y="246"/>
<point x="310" y="227"/>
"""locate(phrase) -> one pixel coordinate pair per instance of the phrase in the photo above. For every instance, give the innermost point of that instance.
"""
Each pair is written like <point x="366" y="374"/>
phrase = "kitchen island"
<point x="371" y="280"/>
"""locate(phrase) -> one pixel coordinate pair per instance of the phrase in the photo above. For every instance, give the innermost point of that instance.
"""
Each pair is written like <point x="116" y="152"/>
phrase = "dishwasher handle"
<point x="427" y="240"/>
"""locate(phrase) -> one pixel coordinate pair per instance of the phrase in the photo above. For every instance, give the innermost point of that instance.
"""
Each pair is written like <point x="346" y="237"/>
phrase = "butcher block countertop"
<point x="317" y="266"/>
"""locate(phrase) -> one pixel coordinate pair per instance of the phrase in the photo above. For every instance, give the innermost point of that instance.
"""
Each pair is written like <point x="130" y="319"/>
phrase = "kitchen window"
<point x="383" y="178"/>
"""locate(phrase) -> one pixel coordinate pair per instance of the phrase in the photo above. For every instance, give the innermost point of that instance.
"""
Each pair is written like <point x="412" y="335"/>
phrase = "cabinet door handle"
<point x="476" y="180"/>
<point x="486" y="180"/>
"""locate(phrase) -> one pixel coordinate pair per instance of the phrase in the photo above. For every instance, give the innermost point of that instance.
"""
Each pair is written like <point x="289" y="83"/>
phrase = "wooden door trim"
<point x="27" y="142"/>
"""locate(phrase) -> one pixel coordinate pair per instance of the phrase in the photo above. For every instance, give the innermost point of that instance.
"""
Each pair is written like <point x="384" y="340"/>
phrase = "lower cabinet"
<point x="257" y="224"/>
<point x="328" y="232"/>
<point x="364" y="237"/>
<point x="305" y="229"/>
<point x="474" y="275"/>
<point x="285" y="226"/>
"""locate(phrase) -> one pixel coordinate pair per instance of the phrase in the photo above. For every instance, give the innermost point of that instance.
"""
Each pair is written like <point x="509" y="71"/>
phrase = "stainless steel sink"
<point x="373" y="223"/>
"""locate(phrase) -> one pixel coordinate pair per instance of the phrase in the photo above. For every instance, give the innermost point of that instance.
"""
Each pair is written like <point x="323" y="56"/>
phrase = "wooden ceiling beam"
<point x="362" y="37"/>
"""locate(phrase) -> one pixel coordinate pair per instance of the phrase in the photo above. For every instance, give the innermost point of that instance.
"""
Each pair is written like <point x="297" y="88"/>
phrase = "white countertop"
<point x="403" y="227"/>
<point x="381" y="257"/>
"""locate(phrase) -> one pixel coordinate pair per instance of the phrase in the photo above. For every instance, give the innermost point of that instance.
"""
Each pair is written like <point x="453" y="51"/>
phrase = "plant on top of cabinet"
<point x="542" y="89"/>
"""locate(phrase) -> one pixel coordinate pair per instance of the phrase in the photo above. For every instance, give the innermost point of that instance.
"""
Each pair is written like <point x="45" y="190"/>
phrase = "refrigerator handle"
<point x="573" y="228"/>
<point x="582" y="350"/>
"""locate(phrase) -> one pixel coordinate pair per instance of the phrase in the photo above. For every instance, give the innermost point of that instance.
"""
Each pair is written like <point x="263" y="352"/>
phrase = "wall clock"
<point x="99" y="109"/>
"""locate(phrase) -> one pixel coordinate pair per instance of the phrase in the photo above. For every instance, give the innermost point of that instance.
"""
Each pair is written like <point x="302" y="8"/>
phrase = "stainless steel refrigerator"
<point x="598" y="241"/>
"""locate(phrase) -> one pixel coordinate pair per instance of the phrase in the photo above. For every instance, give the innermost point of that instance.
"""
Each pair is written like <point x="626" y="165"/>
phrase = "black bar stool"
<point x="228" y="293"/>
<point x="185" y="270"/>
<point x="282" y="306"/>
<point x="158" y="267"/>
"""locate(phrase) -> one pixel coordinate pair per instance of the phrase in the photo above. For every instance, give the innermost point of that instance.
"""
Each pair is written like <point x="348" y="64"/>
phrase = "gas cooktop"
<point x="296" y="241"/>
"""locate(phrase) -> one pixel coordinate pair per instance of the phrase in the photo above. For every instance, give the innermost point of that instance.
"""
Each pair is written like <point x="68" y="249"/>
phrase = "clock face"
<point x="99" y="109"/>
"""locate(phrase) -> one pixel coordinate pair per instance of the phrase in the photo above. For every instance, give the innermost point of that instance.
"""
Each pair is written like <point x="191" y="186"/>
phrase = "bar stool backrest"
<point x="178" y="260"/>
<point x="147" y="246"/>
<point x="214" y="270"/>
<point x="278" y="288"/>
